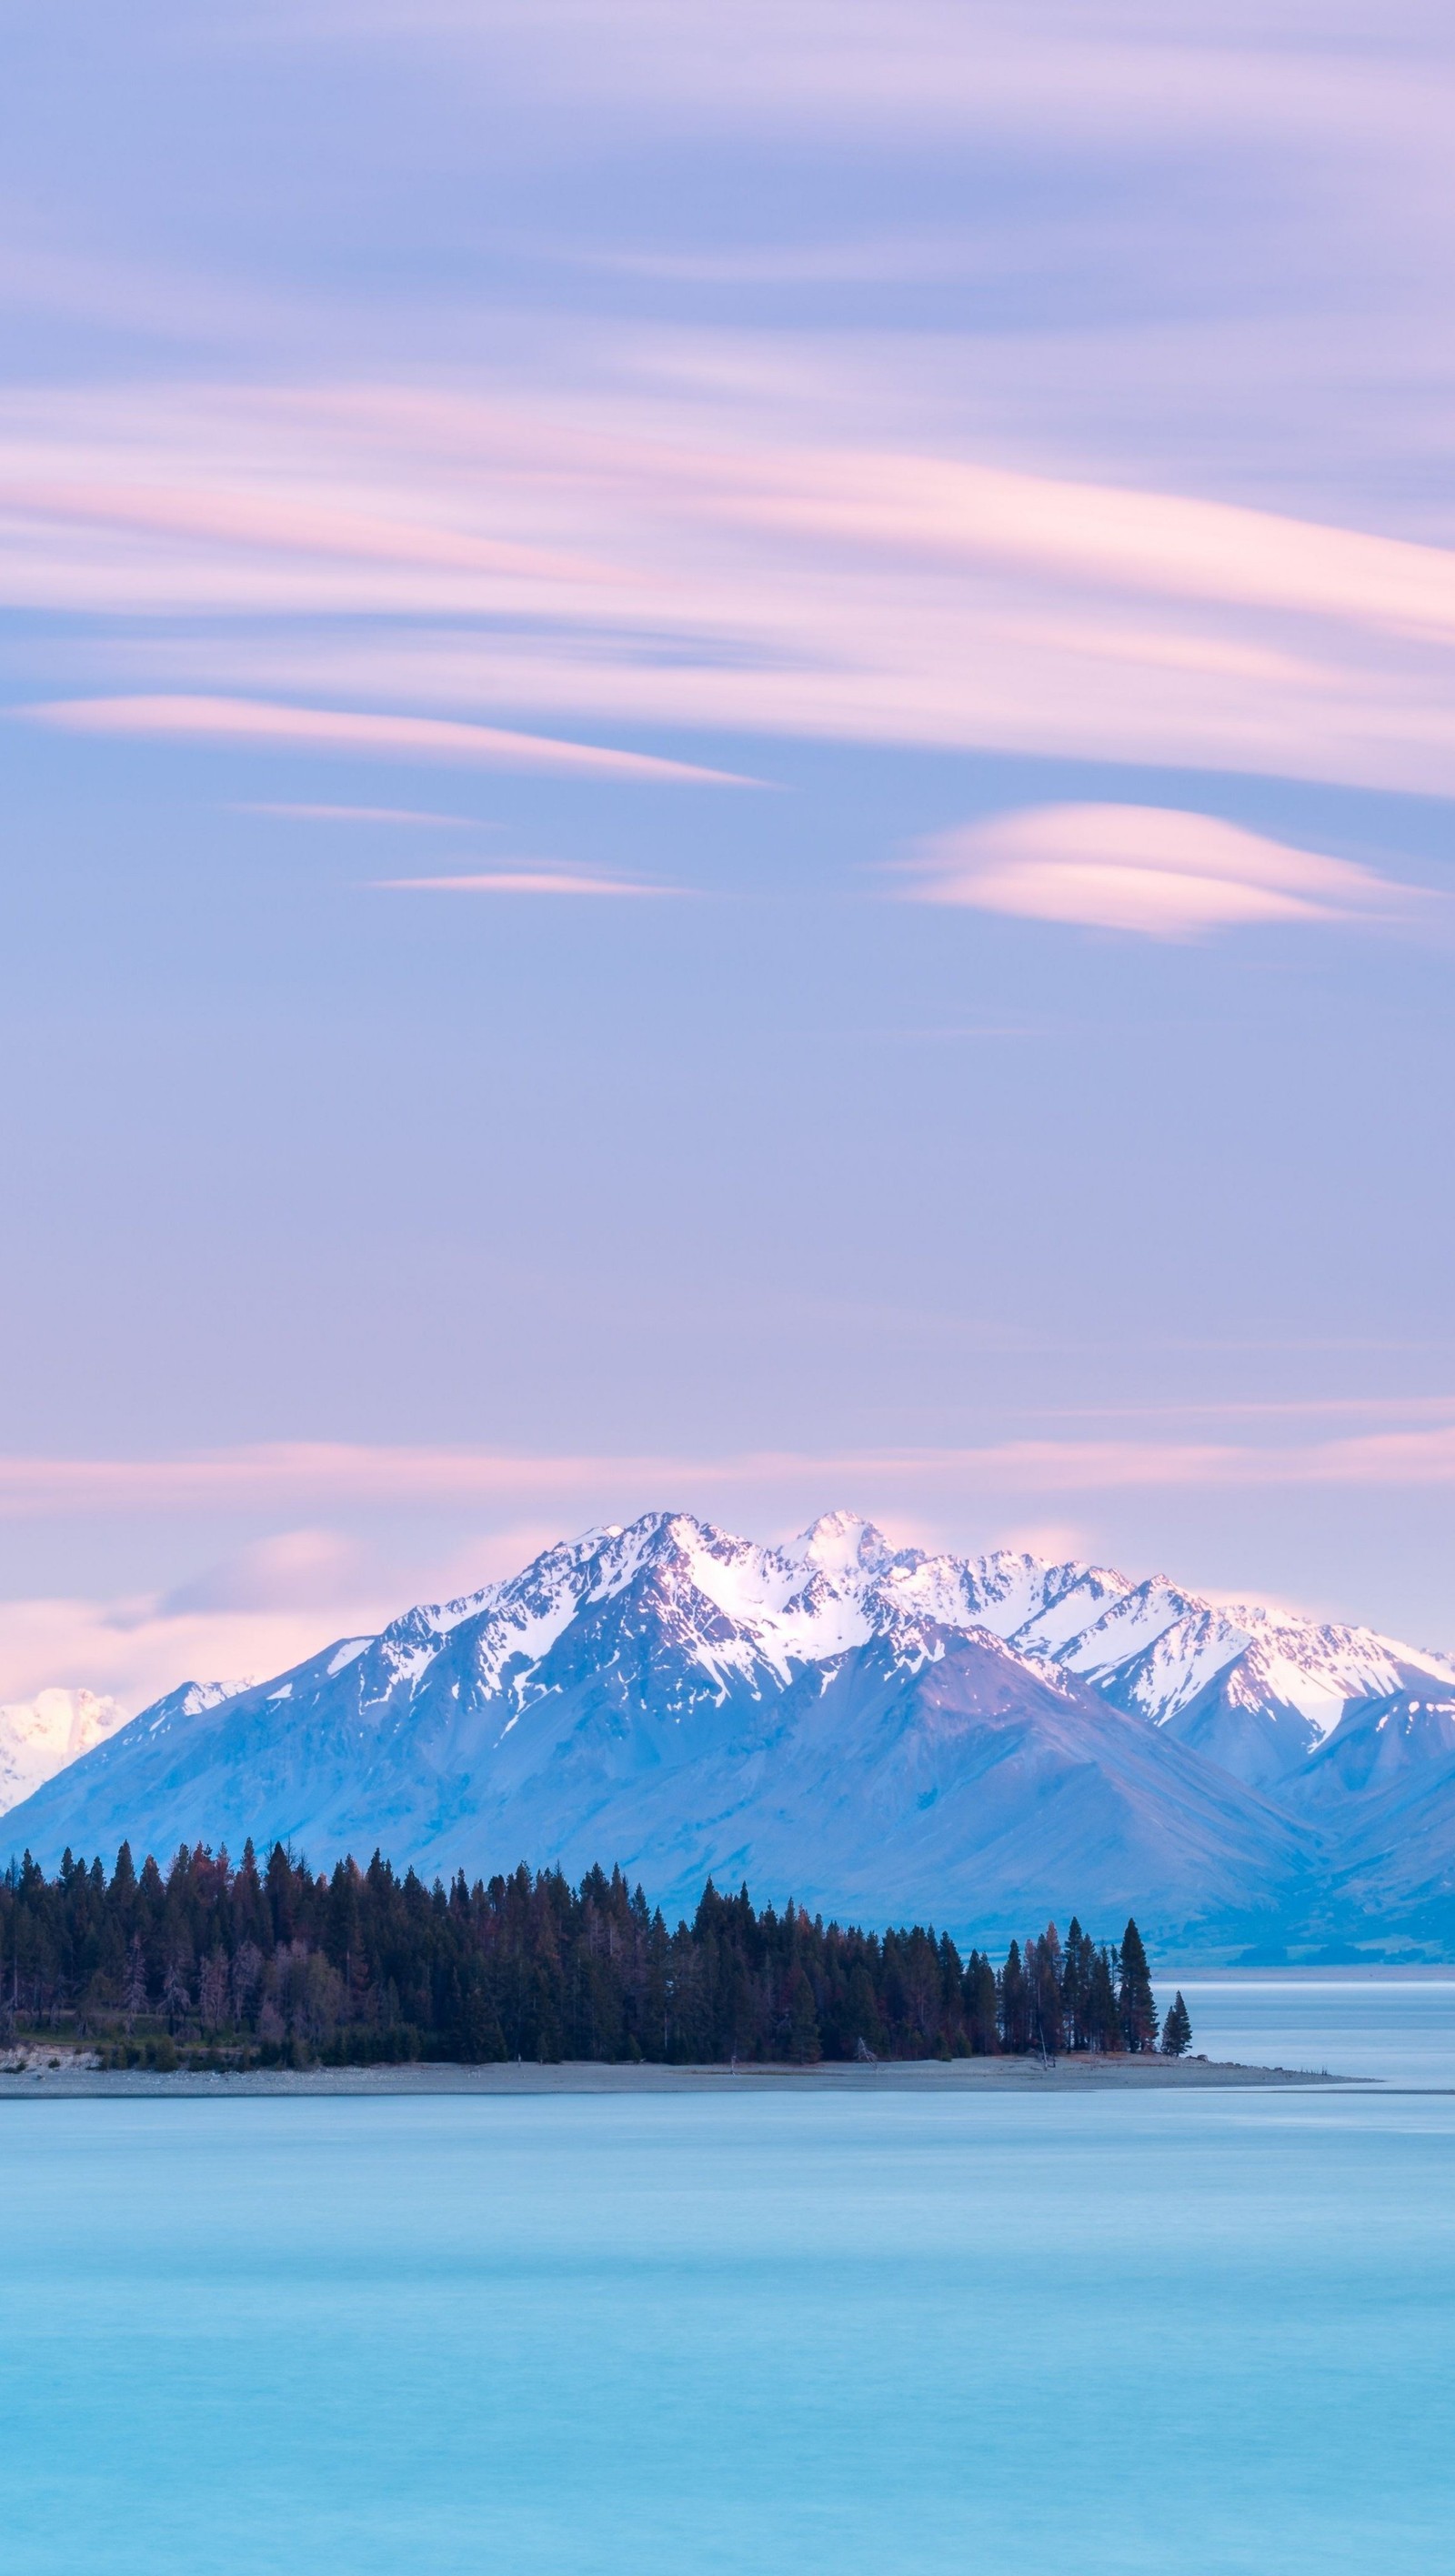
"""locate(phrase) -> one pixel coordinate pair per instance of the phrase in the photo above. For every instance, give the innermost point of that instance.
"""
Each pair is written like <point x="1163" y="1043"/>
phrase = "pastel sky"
<point x="728" y="740"/>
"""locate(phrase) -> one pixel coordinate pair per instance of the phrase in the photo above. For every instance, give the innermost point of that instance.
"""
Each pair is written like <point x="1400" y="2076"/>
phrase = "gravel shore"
<point x="37" y="2079"/>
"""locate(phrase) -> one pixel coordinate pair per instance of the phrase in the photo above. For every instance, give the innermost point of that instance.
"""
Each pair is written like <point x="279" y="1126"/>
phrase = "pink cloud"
<point x="710" y="555"/>
<point x="521" y="881"/>
<point x="1155" y="870"/>
<point x="266" y="523"/>
<point x="427" y="738"/>
<point x="132" y="1651"/>
<point x="284" y="1476"/>
<point x="1159" y="542"/>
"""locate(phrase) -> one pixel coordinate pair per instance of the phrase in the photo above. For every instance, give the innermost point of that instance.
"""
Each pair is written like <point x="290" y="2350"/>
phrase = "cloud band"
<point x="429" y="739"/>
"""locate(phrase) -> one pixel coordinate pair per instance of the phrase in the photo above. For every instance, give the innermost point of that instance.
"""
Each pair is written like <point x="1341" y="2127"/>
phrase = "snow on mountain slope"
<point x="45" y="1735"/>
<point x="851" y="1722"/>
<point x="1253" y="1690"/>
<point x="39" y="1736"/>
<point x="1399" y="1743"/>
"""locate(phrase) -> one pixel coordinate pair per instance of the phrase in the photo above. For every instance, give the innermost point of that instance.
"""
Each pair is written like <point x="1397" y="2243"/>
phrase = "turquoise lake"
<point x="1045" y="2337"/>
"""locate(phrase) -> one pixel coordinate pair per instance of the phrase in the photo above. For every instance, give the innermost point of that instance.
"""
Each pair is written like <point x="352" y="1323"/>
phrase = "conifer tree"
<point x="1045" y="1965"/>
<point x="134" y="1990"/>
<point x="1177" y="2030"/>
<point x="1104" y="2029"/>
<point x="1136" y="2003"/>
<point x="176" y="1997"/>
<point x="212" y="1991"/>
<point x="1014" y="2003"/>
<point x="981" y="2026"/>
<point x="1075" y="1987"/>
<point x="803" y="2033"/>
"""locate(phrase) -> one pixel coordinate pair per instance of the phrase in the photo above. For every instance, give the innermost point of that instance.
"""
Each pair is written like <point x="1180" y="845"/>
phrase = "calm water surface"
<point x="1031" y="2337"/>
<point x="1399" y="2029"/>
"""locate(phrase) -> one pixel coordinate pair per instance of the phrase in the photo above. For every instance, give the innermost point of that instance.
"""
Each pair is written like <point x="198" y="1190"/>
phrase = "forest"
<point x="273" y="1964"/>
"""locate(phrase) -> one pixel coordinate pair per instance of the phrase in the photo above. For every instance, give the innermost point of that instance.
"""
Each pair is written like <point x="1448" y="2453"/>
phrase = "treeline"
<point x="276" y="1964"/>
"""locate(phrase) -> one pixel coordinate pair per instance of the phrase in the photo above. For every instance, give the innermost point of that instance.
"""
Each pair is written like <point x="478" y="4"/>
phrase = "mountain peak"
<point x="842" y="1543"/>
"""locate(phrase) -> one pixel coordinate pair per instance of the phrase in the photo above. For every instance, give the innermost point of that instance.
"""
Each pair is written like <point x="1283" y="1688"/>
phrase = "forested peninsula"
<point x="275" y="1965"/>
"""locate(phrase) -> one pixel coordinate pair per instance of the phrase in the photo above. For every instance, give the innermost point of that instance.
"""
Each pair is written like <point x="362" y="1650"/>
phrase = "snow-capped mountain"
<point x="39" y="1736"/>
<point x="42" y="1736"/>
<point x="871" y="1729"/>
<point x="1256" y="1691"/>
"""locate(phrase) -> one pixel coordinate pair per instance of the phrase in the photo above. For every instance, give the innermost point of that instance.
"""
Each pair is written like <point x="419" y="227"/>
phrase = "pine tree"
<point x="862" y="2012"/>
<point x="212" y="1990"/>
<point x="803" y="2034"/>
<point x="1076" y="1986"/>
<point x="980" y="2006"/>
<point x="478" y="2037"/>
<point x="176" y="1995"/>
<point x="1045" y="1966"/>
<point x="1015" y="2019"/>
<point x="1177" y="2030"/>
<point x="247" y="1969"/>
<point x="1136" y="2003"/>
<point x="134" y="1989"/>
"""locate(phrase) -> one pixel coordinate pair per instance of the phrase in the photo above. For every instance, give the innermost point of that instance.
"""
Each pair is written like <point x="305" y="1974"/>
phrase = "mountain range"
<point x="877" y="1732"/>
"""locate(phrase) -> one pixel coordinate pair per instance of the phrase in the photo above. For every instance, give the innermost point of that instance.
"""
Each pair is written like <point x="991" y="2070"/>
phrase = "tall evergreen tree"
<point x="1136" y="2003"/>
<point x="1046" y="1965"/>
<point x="1015" y="2015"/>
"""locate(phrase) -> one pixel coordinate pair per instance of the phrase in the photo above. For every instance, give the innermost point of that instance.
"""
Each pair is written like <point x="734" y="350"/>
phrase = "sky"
<point x="728" y="762"/>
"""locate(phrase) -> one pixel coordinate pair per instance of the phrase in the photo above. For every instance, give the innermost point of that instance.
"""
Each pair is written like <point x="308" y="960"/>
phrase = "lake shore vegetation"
<point x="272" y="1964"/>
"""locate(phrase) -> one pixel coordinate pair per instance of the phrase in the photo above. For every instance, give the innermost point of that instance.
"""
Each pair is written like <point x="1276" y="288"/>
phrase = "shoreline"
<point x="39" y="2081"/>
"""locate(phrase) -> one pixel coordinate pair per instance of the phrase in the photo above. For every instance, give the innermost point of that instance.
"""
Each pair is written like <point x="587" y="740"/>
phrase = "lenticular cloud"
<point x="1155" y="870"/>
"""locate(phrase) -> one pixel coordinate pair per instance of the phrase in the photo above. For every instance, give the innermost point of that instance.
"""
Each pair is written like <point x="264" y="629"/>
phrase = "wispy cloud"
<point x="708" y="554"/>
<point x="924" y="69"/>
<point x="133" y="1649"/>
<point x="288" y="1476"/>
<point x="888" y="259"/>
<point x="387" y="815"/>
<point x="262" y="521"/>
<point x="562" y="881"/>
<point x="393" y="737"/>
<point x="1158" y="871"/>
<point x="255" y="1611"/>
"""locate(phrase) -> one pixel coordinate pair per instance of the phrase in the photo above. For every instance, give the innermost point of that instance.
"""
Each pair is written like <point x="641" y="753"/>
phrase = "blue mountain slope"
<point x="1381" y="1792"/>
